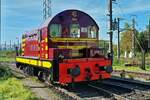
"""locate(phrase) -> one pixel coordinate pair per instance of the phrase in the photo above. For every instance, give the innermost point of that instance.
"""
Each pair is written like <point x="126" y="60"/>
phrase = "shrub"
<point x="5" y="72"/>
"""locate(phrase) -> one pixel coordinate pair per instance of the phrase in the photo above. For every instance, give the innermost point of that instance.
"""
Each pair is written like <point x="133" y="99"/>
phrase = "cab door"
<point x="44" y="44"/>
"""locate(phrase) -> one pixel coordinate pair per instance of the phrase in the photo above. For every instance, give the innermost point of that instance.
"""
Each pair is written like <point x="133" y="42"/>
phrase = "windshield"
<point x="73" y="31"/>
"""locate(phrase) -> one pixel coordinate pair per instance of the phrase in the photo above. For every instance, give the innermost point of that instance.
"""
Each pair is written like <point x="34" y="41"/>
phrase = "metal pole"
<point x="133" y="37"/>
<point x="143" y="59"/>
<point x="0" y="31"/>
<point x="46" y="9"/>
<point x="0" y="41"/>
<point x="5" y="45"/>
<point x="10" y="45"/>
<point x="14" y="46"/>
<point x="143" y="53"/>
<point x="118" y="50"/>
<point x="149" y="34"/>
<point x="110" y="27"/>
<point x="18" y="43"/>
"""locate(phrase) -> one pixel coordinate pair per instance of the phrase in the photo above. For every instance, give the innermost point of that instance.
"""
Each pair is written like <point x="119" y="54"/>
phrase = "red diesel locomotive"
<point x="65" y="49"/>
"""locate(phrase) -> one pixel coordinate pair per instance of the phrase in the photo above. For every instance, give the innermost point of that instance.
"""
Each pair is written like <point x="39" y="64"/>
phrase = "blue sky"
<point x="18" y="16"/>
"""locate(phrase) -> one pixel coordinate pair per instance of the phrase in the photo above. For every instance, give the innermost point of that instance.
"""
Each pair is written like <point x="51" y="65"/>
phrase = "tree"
<point x="126" y="38"/>
<point x="143" y="40"/>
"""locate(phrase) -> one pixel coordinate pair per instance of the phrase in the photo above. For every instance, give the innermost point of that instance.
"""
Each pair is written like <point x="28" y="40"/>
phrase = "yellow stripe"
<point x="39" y="63"/>
<point x="23" y="40"/>
<point x="72" y="39"/>
<point x="23" y="44"/>
<point x="46" y="55"/>
<point x="46" y="47"/>
<point x="33" y="62"/>
<point x="45" y="64"/>
<point x="73" y="47"/>
<point x="46" y="39"/>
<point x="27" y="61"/>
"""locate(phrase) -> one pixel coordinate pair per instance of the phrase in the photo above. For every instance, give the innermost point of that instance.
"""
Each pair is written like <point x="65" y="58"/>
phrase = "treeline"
<point x="141" y="39"/>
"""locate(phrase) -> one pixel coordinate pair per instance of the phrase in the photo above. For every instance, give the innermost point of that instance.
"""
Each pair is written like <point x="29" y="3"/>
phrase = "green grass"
<point x="121" y="65"/>
<point x="5" y="73"/>
<point x="13" y="89"/>
<point x="130" y="68"/>
<point x="7" y="56"/>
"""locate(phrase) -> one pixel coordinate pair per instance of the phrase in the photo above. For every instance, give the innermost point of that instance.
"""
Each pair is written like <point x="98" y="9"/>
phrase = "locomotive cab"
<point x="74" y="35"/>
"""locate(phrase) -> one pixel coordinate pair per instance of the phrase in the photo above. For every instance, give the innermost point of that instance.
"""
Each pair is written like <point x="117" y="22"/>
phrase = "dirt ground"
<point x="41" y="90"/>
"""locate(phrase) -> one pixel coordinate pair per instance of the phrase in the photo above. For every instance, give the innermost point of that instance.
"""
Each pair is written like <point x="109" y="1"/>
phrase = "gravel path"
<point x="41" y="90"/>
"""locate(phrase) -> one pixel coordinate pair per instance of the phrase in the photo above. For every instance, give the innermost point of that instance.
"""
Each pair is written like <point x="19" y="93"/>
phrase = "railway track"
<point x="108" y="91"/>
<point x="140" y="90"/>
<point x="134" y="84"/>
<point x="114" y="88"/>
<point x="125" y="80"/>
<point x="124" y="90"/>
<point x="135" y="74"/>
<point x="130" y="72"/>
<point x="115" y="96"/>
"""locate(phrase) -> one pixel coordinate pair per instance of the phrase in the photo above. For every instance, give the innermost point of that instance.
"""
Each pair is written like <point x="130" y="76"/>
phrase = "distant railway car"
<point x="65" y="49"/>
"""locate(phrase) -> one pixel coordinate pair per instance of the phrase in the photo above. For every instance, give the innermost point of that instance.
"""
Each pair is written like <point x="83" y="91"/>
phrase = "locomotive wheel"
<point x="47" y="78"/>
<point x="21" y="67"/>
<point x="43" y="76"/>
<point x="17" y="65"/>
<point x="30" y="70"/>
<point x="40" y="75"/>
<point x="25" y="70"/>
<point x="50" y="79"/>
<point x="35" y="71"/>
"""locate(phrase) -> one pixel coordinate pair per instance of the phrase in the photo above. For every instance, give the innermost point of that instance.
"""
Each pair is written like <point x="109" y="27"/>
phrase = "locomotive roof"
<point x="48" y="20"/>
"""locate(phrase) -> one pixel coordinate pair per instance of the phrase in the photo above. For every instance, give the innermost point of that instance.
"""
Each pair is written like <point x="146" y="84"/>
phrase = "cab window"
<point x="75" y="30"/>
<point x="55" y="30"/>
<point x="92" y="31"/>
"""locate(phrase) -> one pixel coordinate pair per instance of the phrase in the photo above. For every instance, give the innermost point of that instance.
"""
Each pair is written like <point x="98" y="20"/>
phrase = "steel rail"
<point x="125" y="80"/>
<point x="132" y="72"/>
<point x="120" y="86"/>
<point x="116" y="96"/>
